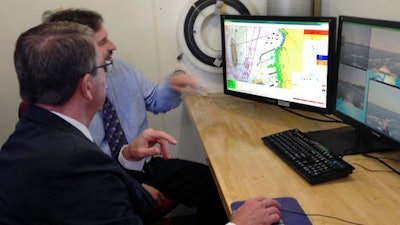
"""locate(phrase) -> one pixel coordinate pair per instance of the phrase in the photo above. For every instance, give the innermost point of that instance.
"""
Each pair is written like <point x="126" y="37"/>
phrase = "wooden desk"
<point x="230" y="130"/>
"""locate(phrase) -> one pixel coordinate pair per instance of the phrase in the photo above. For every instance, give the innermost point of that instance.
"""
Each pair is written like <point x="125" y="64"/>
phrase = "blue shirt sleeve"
<point x="133" y="95"/>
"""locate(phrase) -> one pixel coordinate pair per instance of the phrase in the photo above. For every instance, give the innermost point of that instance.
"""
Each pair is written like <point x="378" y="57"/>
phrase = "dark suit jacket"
<point x="50" y="173"/>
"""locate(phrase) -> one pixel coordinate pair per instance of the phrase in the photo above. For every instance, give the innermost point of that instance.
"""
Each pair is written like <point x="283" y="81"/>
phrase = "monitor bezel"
<point x="331" y="80"/>
<point x="363" y="127"/>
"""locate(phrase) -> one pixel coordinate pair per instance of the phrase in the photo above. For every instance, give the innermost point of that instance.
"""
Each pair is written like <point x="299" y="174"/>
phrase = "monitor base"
<point x="350" y="140"/>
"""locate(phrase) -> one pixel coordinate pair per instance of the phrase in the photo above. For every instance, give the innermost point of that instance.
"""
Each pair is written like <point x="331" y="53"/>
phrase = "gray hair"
<point x="51" y="58"/>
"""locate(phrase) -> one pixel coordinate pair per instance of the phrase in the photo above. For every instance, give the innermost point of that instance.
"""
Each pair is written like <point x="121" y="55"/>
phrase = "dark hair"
<point x="50" y="59"/>
<point x="86" y="17"/>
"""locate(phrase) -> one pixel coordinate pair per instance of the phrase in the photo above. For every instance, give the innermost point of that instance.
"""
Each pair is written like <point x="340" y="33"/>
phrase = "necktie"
<point x="113" y="130"/>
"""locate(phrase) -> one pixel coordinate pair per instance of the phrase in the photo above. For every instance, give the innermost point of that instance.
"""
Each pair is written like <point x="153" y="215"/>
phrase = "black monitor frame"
<point x="331" y="81"/>
<point x="359" y="137"/>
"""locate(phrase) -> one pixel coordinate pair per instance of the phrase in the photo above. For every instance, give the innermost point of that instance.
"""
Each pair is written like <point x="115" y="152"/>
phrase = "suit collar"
<point x="46" y="118"/>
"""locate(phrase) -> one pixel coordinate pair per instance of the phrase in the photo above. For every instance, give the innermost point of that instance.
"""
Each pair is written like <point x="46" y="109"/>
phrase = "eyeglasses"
<point x="107" y="66"/>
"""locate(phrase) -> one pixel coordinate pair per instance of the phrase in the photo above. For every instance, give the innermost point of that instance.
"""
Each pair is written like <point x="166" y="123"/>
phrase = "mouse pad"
<point x="291" y="211"/>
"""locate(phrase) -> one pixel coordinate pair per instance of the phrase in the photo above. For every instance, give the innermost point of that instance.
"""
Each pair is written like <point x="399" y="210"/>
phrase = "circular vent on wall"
<point x="199" y="32"/>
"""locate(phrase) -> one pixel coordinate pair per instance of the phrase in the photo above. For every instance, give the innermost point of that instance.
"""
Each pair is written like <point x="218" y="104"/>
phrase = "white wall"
<point x="146" y="33"/>
<point x="128" y="31"/>
<point x="382" y="9"/>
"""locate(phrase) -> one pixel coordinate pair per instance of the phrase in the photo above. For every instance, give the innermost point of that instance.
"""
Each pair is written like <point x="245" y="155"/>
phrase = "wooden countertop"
<point x="230" y="130"/>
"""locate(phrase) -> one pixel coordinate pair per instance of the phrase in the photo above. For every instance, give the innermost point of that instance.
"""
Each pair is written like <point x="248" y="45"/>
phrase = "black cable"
<point x="397" y="160"/>
<point x="383" y="162"/>
<point x="189" y="31"/>
<point x="324" y="115"/>
<point x="332" y="120"/>
<point x="370" y="170"/>
<point x="320" y="215"/>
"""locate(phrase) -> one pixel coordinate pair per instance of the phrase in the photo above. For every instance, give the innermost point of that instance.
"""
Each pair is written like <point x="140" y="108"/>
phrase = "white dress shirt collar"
<point x="76" y="124"/>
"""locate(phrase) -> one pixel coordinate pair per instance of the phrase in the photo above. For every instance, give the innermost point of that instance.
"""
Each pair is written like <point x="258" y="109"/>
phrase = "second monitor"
<point x="368" y="87"/>
<point x="368" y="81"/>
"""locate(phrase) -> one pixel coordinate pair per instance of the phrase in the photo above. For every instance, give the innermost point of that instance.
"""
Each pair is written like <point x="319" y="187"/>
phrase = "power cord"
<point x="321" y="215"/>
<point x="383" y="162"/>
<point x="331" y="120"/>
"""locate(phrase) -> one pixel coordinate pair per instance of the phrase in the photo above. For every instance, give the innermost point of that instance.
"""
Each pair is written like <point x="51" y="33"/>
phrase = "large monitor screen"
<point x="368" y="75"/>
<point x="287" y="61"/>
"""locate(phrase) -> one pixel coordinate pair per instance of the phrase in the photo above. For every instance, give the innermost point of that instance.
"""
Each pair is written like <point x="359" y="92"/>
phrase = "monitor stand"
<point x="350" y="140"/>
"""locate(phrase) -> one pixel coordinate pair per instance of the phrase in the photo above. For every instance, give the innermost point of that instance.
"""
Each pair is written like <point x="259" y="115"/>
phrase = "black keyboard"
<point x="307" y="157"/>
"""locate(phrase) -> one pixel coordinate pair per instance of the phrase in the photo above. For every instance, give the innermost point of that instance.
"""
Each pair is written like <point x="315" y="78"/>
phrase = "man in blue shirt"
<point x="185" y="182"/>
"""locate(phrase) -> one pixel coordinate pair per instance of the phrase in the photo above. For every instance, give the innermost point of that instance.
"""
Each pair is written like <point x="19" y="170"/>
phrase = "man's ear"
<point x="85" y="86"/>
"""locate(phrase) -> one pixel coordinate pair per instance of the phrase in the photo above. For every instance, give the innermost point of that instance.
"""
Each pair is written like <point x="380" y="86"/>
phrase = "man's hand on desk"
<point x="257" y="211"/>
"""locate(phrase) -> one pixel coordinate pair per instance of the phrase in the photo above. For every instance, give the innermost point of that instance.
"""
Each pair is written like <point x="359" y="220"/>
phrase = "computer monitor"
<point x="281" y="60"/>
<point x="368" y="81"/>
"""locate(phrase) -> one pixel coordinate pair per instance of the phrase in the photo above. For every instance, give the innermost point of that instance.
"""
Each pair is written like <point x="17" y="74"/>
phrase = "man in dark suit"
<point x="50" y="170"/>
